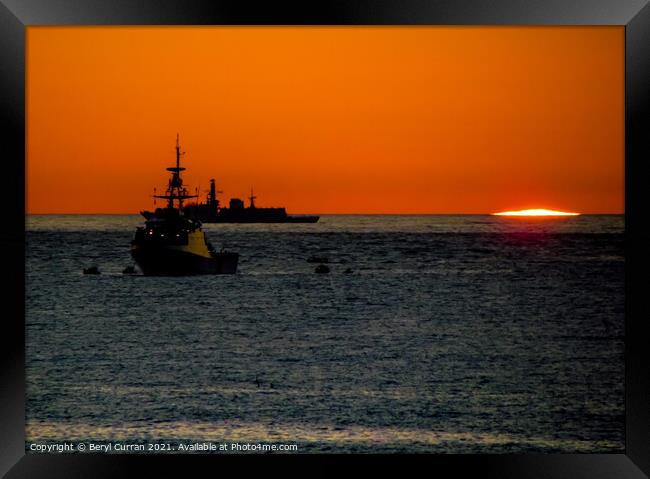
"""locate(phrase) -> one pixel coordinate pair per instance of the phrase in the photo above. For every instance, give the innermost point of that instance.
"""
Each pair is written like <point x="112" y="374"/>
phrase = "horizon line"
<point x="330" y="214"/>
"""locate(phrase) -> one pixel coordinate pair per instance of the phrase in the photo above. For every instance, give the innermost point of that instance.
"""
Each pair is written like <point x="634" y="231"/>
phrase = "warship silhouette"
<point x="171" y="243"/>
<point x="212" y="212"/>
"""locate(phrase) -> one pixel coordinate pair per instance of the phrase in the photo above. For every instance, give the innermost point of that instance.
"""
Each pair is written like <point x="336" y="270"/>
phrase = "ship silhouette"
<point x="171" y="243"/>
<point x="212" y="212"/>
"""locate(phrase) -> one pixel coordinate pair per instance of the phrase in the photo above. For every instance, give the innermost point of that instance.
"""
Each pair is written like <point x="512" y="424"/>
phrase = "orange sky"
<point x="328" y="119"/>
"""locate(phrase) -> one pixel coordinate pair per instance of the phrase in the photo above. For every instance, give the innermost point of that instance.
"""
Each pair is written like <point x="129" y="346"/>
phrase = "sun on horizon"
<point x="535" y="212"/>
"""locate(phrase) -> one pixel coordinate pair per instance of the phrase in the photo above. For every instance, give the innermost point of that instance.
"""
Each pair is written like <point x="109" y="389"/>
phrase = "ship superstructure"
<point x="236" y="212"/>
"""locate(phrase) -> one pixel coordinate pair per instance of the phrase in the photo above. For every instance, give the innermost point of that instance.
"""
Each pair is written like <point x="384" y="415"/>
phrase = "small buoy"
<point x="128" y="270"/>
<point x="321" y="268"/>
<point x="317" y="259"/>
<point x="348" y="271"/>
<point x="91" y="270"/>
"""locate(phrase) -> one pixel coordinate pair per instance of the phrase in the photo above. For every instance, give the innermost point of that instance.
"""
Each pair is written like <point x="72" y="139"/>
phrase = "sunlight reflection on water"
<point x="451" y="334"/>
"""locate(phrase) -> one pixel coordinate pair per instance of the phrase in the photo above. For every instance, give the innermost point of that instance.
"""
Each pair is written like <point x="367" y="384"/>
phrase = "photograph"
<point x="325" y="239"/>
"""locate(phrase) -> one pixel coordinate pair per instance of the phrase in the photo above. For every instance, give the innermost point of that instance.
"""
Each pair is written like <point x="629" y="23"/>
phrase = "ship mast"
<point x="175" y="189"/>
<point x="252" y="198"/>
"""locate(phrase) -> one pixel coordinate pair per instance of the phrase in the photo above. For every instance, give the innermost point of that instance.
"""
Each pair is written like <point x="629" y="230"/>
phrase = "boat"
<point x="212" y="212"/>
<point x="173" y="244"/>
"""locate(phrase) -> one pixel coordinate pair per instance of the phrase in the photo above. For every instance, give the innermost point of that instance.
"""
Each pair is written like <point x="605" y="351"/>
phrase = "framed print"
<point x="350" y="232"/>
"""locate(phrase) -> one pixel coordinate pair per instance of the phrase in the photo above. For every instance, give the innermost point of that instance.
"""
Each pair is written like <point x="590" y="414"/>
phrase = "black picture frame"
<point x="634" y="15"/>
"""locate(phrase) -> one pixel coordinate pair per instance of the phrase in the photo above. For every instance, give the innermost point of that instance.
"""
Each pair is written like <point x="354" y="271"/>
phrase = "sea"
<point x="430" y="334"/>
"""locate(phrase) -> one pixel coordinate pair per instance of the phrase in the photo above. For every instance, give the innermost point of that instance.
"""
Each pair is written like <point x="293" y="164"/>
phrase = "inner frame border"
<point x="634" y="15"/>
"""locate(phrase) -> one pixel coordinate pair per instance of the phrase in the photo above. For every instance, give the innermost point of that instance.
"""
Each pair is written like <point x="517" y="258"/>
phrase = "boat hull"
<point x="156" y="260"/>
<point x="287" y="219"/>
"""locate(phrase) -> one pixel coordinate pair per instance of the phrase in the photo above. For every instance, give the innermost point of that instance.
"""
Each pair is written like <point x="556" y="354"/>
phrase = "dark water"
<point x="452" y="334"/>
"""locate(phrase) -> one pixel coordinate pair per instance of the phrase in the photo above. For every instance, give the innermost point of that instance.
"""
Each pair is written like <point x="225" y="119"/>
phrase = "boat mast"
<point x="175" y="189"/>
<point x="252" y="198"/>
<point x="175" y="184"/>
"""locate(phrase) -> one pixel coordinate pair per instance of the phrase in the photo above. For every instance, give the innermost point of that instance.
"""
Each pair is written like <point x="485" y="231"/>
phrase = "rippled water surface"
<point x="451" y="334"/>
